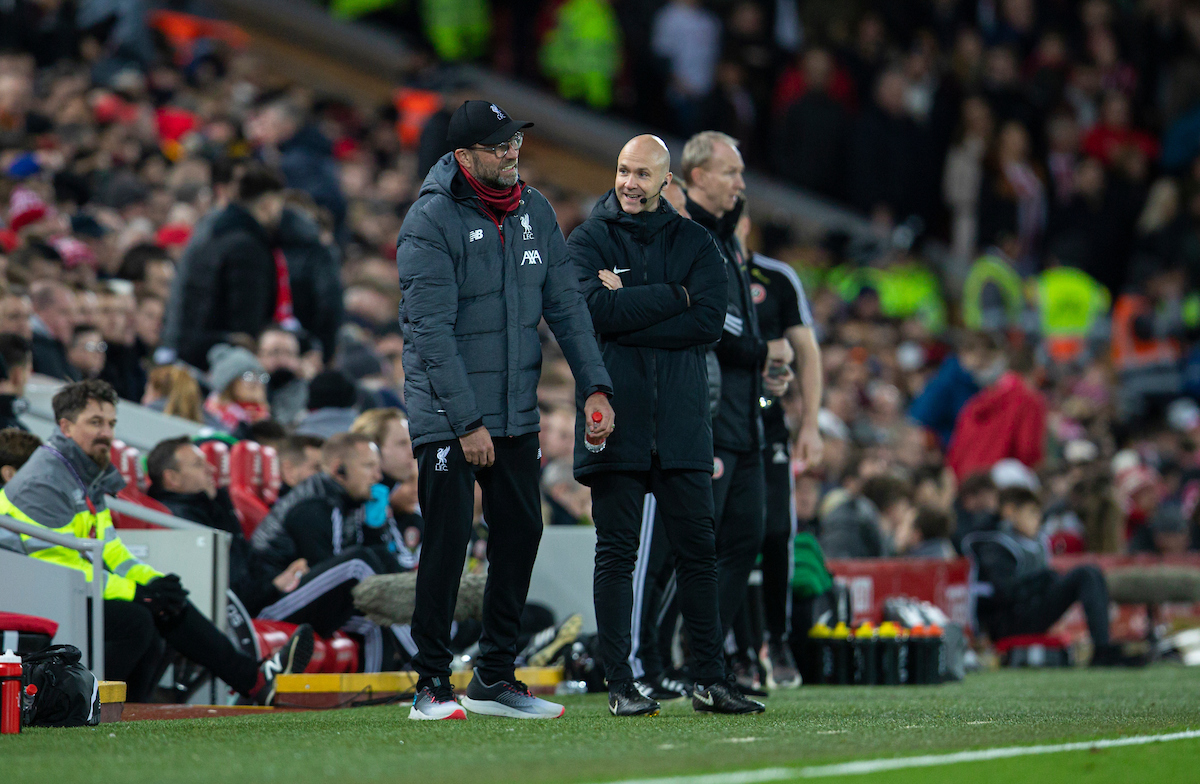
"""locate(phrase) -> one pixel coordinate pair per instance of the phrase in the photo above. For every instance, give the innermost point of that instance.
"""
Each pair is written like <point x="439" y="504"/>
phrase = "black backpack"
<point x="68" y="694"/>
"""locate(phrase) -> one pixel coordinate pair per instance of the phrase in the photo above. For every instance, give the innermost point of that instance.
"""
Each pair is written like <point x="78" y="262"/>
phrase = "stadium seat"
<point x="245" y="484"/>
<point x="128" y="461"/>
<point x="335" y="654"/>
<point x="272" y="478"/>
<point x="25" y="634"/>
<point x="125" y="458"/>
<point x="135" y="496"/>
<point x="217" y="455"/>
<point x="1035" y="650"/>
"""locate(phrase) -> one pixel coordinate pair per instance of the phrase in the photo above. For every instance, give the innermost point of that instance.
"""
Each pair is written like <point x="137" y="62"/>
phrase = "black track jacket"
<point x="652" y="342"/>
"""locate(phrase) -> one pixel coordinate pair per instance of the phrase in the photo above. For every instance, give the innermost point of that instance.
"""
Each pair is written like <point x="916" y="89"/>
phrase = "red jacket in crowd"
<point x="1008" y="419"/>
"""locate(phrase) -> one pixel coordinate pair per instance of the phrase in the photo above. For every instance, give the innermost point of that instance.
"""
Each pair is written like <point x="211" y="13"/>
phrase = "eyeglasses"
<point x="95" y="346"/>
<point x="250" y="377"/>
<point x="501" y="149"/>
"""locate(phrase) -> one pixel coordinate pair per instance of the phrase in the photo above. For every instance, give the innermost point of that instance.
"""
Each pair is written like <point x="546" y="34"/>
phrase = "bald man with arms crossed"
<point x="656" y="286"/>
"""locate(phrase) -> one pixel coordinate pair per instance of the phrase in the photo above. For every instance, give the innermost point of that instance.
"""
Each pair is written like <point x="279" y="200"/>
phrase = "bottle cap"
<point x="597" y="416"/>
<point x="8" y="657"/>
<point x="31" y="689"/>
<point x="841" y="630"/>
<point x="917" y="631"/>
<point x="888" y="629"/>
<point x="820" y="630"/>
<point x="865" y="632"/>
<point x="935" y="631"/>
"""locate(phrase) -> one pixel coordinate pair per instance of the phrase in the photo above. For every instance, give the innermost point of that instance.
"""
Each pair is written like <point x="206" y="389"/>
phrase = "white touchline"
<point x="898" y="763"/>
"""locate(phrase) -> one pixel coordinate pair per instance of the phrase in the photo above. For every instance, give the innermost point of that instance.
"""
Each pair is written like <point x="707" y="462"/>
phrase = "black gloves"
<point x="164" y="596"/>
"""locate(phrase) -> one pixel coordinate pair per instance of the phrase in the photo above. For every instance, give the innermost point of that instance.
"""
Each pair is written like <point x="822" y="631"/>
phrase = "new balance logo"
<point x="531" y="257"/>
<point x="272" y="667"/>
<point x="442" y="454"/>
<point x="476" y="234"/>
<point x="528" y="234"/>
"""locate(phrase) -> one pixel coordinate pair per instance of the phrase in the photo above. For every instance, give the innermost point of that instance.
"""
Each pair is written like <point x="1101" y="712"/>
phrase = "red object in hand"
<point x="10" y="693"/>
<point x="592" y="443"/>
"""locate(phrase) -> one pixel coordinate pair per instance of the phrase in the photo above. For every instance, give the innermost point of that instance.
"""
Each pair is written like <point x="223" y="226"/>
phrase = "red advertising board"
<point x="946" y="584"/>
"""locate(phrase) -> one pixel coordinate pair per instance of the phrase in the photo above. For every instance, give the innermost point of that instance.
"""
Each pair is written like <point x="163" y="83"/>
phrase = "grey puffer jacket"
<point x="474" y="291"/>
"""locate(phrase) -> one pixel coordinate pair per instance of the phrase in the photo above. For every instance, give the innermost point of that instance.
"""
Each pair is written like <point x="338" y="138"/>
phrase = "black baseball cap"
<point x="481" y="122"/>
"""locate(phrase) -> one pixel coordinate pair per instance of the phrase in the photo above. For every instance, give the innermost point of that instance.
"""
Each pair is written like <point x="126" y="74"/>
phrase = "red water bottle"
<point x="10" y="693"/>
<point x="593" y="444"/>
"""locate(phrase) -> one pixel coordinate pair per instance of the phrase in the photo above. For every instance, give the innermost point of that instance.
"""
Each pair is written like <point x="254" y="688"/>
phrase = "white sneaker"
<point x="510" y="699"/>
<point x="434" y="701"/>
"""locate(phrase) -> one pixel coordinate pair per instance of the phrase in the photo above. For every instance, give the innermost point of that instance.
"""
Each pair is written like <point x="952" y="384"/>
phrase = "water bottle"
<point x="10" y="693"/>
<point x="890" y="647"/>
<point x="936" y="653"/>
<point x="594" y="445"/>
<point x="843" y="663"/>
<point x="864" y="647"/>
<point x="818" y="658"/>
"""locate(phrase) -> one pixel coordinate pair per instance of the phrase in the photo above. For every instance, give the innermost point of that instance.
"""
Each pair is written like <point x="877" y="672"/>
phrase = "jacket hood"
<point x="235" y="217"/>
<point x="445" y="178"/>
<point x="310" y="139"/>
<point x="644" y="225"/>
<point x="1009" y="389"/>
<point x="107" y="479"/>
<point x="725" y="226"/>
<point x="296" y="228"/>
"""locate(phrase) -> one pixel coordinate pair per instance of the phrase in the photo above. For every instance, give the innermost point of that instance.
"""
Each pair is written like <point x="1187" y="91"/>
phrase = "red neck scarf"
<point x="501" y="202"/>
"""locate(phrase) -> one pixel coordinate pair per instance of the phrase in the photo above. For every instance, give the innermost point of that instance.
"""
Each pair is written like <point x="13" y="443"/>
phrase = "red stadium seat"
<point x="1035" y="650"/>
<point x="272" y="479"/>
<point x="135" y="496"/>
<point x="245" y="484"/>
<point x="217" y="455"/>
<point x="128" y="463"/>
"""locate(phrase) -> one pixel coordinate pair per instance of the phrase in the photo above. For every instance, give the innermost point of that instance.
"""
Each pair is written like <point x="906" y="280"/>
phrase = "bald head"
<point x="643" y="170"/>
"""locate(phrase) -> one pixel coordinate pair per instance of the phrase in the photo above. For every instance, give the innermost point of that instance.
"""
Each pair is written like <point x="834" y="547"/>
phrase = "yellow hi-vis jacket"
<point x="66" y="496"/>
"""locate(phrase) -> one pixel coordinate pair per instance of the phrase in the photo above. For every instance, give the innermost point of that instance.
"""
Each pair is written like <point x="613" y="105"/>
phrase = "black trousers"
<point x="778" y="539"/>
<point x="684" y="500"/>
<point x="1083" y="584"/>
<point x="324" y="596"/>
<point x="738" y="506"/>
<point x="133" y="648"/>
<point x="655" y="611"/>
<point x="513" y="511"/>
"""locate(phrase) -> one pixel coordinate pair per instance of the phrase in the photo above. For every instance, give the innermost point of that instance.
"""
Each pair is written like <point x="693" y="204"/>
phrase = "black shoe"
<point x="783" y="673"/>
<point x="664" y="689"/>
<point x="737" y="685"/>
<point x="746" y="675"/>
<point x="1115" y="656"/>
<point x="721" y="698"/>
<point x="293" y="657"/>
<point x="624" y="699"/>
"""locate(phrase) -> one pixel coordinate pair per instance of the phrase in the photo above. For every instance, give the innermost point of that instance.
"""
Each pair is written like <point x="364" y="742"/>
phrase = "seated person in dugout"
<point x="1027" y="596"/>
<point x="62" y="488"/>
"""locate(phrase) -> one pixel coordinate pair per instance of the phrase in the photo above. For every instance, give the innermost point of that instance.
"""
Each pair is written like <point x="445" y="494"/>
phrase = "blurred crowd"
<point x="218" y="242"/>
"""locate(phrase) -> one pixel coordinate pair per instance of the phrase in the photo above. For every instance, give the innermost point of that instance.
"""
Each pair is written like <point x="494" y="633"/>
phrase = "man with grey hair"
<point x="656" y="287"/>
<point x="713" y="169"/>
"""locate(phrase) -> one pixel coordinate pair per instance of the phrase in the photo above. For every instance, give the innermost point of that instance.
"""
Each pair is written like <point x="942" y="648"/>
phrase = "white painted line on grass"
<point x="898" y="763"/>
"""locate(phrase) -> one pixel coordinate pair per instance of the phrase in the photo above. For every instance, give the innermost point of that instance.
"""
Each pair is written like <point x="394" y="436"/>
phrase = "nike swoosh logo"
<point x="704" y="697"/>
<point x="618" y="270"/>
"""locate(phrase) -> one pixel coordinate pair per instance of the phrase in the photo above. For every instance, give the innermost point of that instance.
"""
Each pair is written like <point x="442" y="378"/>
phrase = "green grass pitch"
<point x="809" y="726"/>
